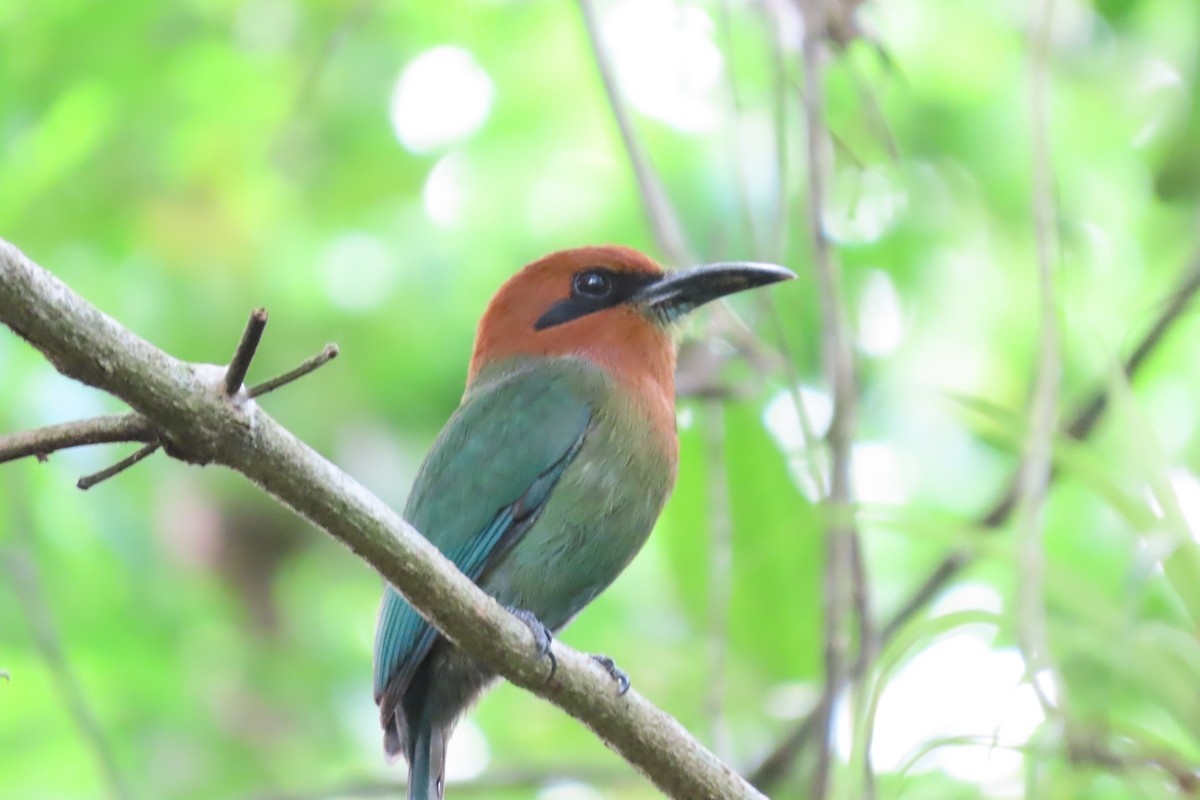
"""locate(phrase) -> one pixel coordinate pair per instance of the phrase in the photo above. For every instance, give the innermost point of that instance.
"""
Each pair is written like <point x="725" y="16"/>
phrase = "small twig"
<point x="247" y="347"/>
<point x="88" y="481"/>
<point x="41" y="442"/>
<point x="320" y="359"/>
<point x="134" y="427"/>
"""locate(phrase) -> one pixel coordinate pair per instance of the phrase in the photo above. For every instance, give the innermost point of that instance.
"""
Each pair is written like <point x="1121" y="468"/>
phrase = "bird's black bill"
<point x="677" y="293"/>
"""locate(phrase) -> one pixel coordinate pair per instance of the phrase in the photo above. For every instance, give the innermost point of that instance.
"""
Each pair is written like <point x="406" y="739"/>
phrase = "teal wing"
<point x="481" y="487"/>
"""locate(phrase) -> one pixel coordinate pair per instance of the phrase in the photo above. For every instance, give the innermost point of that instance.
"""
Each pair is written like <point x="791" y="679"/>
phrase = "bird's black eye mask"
<point x="594" y="289"/>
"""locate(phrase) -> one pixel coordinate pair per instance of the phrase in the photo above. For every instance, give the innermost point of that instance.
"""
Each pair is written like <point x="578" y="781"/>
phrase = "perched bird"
<point x="546" y="481"/>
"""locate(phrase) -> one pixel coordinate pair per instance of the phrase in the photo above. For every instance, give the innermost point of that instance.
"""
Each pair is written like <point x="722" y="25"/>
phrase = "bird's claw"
<point x="616" y="673"/>
<point x="542" y="637"/>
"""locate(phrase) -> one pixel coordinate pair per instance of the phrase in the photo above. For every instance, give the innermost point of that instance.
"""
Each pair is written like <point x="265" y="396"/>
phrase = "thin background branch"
<point x="665" y="224"/>
<point x="780" y="94"/>
<point x="736" y="133"/>
<point x="18" y="566"/>
<point x="776" y="765"/>
<point x="720" y="571"/>
<point x="1034" y="477"/>
<point x="845" y="590"/>
<point x="355" y="18"/>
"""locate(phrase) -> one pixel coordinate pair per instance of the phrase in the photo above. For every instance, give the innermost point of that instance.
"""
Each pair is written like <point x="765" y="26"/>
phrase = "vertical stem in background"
<point x="741" y="178"/>
<point x="813" y="463"/>
<point x="664" y="222"/>
<point x="777" y="242"/>
<point x="845" y="590"/>
<point x="282" y="140"/>
<point x="720" y="573"/>
<point x="1035" y="474"/>
<point x="778" y="239"/>
<point x="17" y="565"/>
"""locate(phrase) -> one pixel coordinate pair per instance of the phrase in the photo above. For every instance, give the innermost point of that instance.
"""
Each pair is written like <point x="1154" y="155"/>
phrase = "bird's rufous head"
<point x="611" y="305"/>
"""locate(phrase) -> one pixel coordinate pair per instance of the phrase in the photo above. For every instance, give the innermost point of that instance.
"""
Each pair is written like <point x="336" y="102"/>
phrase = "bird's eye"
<point x="593" y="283"/>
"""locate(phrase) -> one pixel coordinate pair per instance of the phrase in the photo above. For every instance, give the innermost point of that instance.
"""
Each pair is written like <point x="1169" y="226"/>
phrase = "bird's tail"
<point x="426" y="764"/>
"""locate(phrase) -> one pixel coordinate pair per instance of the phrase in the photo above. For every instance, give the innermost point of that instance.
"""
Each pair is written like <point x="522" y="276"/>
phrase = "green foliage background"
<point x="178" y="164"/>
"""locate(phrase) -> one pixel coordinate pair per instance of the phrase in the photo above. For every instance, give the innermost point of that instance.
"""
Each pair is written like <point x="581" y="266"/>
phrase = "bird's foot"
<point x="542" y="637"/>
<point x="616" y="673"/>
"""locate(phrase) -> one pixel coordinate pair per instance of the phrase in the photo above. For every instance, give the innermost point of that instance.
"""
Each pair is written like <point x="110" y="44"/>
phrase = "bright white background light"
<point x="468" y="753"/>
<point x="569" y="791"/>
<point x="1187" y="492"/>
<point x="443" y="192"/>
<point x="957" y="686"/>
<point x="667" y="63"/>
<point x="864" y="205"/>
<point x="880" y="317"/>
<point x="442" y="97"/>
<point x="360" y="271"/>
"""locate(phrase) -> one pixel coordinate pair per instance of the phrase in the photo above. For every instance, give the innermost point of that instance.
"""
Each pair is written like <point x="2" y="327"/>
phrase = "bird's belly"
<point x="594" y="523"/>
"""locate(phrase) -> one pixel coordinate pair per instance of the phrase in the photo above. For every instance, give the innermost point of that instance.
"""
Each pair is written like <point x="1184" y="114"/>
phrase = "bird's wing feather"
<point x="481" y="487"/>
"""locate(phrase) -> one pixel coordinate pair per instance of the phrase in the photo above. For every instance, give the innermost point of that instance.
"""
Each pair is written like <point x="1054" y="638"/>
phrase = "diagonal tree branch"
<point x="199" y="424"/>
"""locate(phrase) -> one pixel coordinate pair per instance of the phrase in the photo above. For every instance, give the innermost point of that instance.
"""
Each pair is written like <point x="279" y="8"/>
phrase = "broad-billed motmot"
<point x="547" y="480"/>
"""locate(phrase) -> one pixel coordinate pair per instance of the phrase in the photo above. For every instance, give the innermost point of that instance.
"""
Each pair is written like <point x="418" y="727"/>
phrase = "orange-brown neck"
<point x="636" y="352"/>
